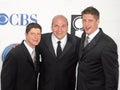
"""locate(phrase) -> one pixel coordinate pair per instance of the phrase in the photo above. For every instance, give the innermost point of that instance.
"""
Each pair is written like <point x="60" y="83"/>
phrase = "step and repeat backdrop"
<point x="16" y="14"/>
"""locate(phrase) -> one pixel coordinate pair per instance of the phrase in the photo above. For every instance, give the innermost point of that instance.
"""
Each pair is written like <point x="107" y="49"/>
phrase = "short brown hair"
<point x="91" y="10"/>
<point x="33" y="25"/>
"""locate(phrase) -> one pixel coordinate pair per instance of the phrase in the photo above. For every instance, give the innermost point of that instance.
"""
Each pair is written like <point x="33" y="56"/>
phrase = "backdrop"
<point x="16" y="14"/>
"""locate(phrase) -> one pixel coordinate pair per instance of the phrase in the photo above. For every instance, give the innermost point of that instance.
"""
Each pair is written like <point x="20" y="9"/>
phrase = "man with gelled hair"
<point x="98" y="59"/>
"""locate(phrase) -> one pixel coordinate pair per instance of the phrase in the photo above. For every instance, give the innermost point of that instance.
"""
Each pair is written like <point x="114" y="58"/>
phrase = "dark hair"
<point x="91" y="10"/>
<point x="33" y="25"/>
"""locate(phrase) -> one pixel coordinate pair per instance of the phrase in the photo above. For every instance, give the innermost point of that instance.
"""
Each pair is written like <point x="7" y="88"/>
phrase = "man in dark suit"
<point x="98" y="59"/>
<point x="19" y="71"/>
<point x="58" y="71"/>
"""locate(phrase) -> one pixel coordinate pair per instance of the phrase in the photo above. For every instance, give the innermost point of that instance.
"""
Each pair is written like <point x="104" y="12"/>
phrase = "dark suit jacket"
<point x="18" y="71"/>
<point x="98" y="64"/>
<point x="58" y="73"/>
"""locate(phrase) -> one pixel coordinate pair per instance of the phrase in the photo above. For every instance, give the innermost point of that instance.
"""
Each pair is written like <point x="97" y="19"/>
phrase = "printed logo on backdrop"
<point x="17" y="19"/>
<point x="76" y="25"/>
<point x="7" y="50"/>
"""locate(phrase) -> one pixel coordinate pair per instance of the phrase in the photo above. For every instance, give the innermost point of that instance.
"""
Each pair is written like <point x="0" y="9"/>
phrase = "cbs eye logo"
<point x="16" y="19"/>
<point x="3" y="19"/>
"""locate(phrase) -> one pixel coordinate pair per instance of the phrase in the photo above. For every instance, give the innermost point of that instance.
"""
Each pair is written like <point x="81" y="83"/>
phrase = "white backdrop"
<point x="47" y="9"/>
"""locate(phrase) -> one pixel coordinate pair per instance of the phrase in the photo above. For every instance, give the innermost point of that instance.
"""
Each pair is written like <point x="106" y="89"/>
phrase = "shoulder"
<point x="106" y="38"/>
<point x="18" y="49"/>
<point x="73" y="37"/>
<point x="107" y="41"/>
<point x="46" y="35"/>
<point x="14" y="53"/>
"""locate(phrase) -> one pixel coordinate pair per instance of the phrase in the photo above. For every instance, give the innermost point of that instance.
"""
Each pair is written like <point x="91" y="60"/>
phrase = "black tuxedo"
<point x="98" y="64"/>
<point x="58" y="73"/>
<point x="18" y="71"/>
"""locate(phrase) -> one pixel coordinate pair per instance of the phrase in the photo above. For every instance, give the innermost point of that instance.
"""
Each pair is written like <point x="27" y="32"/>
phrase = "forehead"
<point x="88" y="16"/>
<point x="34" y="30"/>
<point x="59" y="19"/>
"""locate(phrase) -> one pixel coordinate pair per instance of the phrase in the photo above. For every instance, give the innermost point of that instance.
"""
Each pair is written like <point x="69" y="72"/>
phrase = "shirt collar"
<point x="91" y="36"/>
<point x="28" y="47"/>
<point x="63" y="40"/>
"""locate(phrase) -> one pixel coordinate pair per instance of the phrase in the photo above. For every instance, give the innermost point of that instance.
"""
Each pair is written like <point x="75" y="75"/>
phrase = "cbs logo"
<point x="17" y="19"/>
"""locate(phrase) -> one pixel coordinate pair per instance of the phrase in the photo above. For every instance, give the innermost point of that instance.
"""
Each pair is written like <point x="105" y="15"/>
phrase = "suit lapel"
<point x="67" y="46"/>
<point x="51" y="49"/>
<point x="49" y="44"/>
<point x="93" y="42"/>
<point x="27" y="55"/>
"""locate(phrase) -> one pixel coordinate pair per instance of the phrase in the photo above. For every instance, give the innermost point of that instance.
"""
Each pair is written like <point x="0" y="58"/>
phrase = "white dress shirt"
<point x="30" y="50"/>
<point x="91" y="36"/>
<point x="55" y="40"/>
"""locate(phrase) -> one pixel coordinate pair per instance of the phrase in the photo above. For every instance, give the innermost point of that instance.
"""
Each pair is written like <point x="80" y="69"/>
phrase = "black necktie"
<point x="59" y="50"/>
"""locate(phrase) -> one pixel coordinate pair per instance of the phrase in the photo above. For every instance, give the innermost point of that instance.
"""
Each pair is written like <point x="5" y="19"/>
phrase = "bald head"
<point x="59" y="26"/>
<point x="59" y="17"/>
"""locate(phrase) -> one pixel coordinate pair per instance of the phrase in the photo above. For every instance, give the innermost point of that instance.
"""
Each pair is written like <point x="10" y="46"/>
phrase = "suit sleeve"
<point x="110" y="65"/>
<point x="8" y="73"/>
